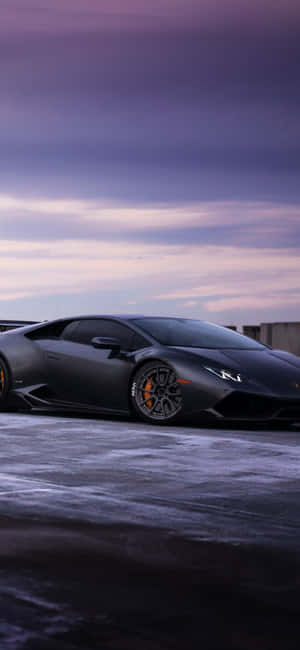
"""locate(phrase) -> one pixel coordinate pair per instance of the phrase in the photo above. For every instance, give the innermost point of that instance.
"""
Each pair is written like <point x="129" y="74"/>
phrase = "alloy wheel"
<point x="156" y="393"/>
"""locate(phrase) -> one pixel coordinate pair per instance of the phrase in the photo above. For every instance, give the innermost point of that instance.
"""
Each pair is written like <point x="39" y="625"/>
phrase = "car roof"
<point x="22" y="328"/>
<point x="117" y="316"/>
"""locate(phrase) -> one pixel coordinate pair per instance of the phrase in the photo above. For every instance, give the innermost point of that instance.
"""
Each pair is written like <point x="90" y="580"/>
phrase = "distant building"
<point x="253" y="331"/>
<point x="281" y="336"/>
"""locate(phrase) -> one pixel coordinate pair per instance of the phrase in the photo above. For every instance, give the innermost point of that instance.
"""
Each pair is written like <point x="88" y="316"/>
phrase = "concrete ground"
<point x="116" y="534"/>
<point x="208" y="484"/>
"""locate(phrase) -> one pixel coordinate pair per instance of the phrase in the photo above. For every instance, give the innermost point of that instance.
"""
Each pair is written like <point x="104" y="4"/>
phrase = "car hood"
<point x="276" y="370"/>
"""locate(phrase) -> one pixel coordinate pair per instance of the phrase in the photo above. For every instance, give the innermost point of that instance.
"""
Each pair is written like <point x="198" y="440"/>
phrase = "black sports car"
<point x="159" y="368"/>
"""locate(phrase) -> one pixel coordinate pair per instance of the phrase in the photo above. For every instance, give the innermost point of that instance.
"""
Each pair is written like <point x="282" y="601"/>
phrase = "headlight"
<point x="228" y="375"/>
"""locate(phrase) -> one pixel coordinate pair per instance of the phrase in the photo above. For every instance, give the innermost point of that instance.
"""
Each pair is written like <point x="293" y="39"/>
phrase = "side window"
<point x="53" y="330"/>
<point x="118" y="331"/>
<point x="69" y="333"/>
<point x="84" y="331"/>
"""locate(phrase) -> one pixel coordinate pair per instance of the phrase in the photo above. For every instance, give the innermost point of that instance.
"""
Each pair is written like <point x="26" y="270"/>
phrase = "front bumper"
<point x="242" y="405"/>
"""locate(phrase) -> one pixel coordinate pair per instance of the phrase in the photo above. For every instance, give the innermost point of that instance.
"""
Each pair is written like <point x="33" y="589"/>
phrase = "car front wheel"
<point x="155" y="393"/>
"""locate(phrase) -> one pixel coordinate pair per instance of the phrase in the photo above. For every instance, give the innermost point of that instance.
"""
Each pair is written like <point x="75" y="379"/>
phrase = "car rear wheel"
<point x="155" y="393"/>
<point x="4" y="384"/>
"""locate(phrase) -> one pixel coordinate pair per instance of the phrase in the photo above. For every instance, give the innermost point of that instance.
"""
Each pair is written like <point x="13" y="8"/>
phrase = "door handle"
<point x="53" y="357"/>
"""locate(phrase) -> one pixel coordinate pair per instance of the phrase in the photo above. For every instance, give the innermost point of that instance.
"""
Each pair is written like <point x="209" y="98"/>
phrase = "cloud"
<point x="253" y="302"/>
<point x="213" y="14"/>
<point x="151" y="150"/>
<point x="52" y="247"/>
<point x="246" y="223"/>
<point x="183" y="114"/>
<point x="209" y="279"/>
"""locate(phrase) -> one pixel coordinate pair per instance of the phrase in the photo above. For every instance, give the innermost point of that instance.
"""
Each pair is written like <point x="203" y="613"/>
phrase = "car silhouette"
<point x="159" y="368"/>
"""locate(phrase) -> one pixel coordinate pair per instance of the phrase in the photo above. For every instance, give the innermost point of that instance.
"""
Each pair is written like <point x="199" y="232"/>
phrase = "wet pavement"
<point x="221" y="485"/>
<point x="119" y="535"/>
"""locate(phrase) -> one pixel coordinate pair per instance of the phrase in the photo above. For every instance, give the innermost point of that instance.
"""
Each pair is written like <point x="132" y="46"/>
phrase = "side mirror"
<point x="106" y="343"/>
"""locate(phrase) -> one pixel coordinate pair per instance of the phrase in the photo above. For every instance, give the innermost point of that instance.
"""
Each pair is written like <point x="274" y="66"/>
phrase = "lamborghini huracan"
<point x="159" y="368"/>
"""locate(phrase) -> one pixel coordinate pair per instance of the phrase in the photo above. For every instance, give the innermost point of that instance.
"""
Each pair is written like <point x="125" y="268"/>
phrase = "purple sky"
<point x="150" y="158"/>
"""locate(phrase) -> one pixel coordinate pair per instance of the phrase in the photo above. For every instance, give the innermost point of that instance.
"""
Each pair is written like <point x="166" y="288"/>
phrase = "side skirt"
<point x="25" y="400"/>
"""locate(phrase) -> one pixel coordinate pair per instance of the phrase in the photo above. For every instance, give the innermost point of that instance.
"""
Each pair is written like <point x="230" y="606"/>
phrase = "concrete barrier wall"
<point x="253" y="331"/>
<point x="281" y="336"/>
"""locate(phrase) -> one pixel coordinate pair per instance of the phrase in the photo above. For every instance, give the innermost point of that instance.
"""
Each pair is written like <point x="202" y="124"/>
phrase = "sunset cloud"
<point x="43" y="218"/>
<point x="253" y="302"/>
<point x="52" y="247"/>
<point x="208" y="280"/>
<point x="150" y="158"/>
<point x="45" y="14"/>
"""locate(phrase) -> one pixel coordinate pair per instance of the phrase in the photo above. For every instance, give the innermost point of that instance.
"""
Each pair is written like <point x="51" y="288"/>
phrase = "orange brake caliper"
<point x="147" y="395"/>
<point x="2" y="380"/>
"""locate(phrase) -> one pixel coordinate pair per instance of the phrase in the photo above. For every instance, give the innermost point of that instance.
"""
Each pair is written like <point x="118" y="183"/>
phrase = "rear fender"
<point x="24" y="359"/>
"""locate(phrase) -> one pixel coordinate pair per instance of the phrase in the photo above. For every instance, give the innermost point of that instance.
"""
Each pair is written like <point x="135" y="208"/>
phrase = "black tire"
<point x="156" y="394"/>
<point x="4" y="384"/>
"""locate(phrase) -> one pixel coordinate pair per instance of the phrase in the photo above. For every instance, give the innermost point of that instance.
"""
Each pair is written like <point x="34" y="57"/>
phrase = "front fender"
<point x="200" y="390"/>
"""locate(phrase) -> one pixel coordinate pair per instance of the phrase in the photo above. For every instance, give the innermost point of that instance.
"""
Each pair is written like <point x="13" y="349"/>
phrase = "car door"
<point x="82" y="374"/>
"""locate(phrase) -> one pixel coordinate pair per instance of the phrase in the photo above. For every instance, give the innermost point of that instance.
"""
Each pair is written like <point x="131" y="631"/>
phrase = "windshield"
<point x="190" y="333"/>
